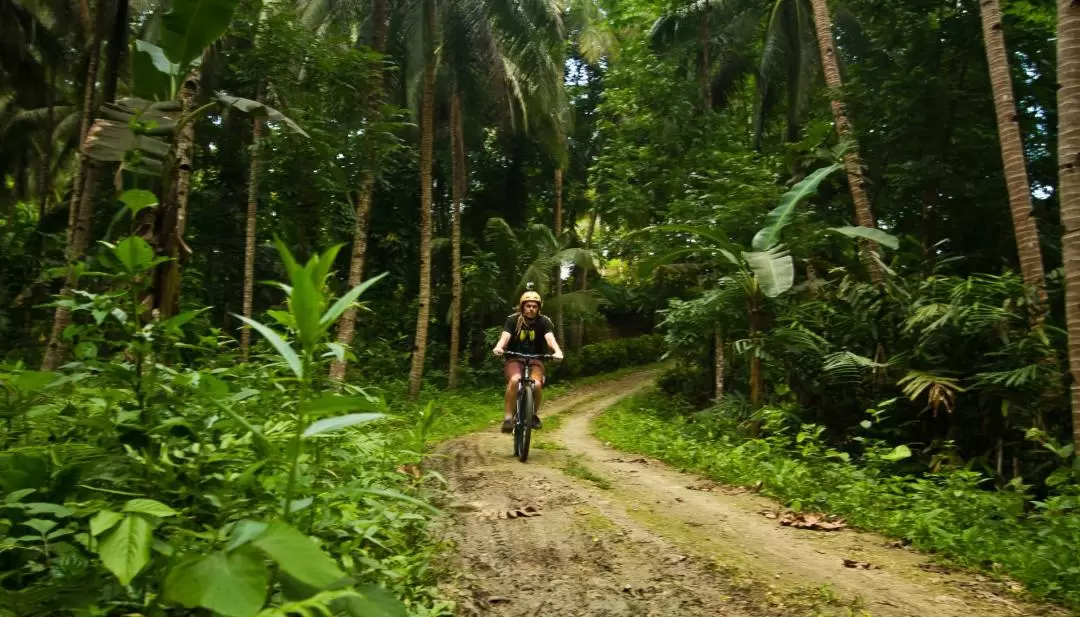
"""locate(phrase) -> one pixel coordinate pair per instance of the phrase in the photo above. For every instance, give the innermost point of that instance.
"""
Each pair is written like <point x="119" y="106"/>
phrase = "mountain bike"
<point x="525" y="408"/>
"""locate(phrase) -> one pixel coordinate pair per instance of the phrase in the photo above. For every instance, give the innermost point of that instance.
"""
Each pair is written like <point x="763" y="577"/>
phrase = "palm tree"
<point x="1068" y="99"/>
<point x="1012" y="149"/>
<point x="852" y="160"/>
<point x="79" y="207"/>
<point x="365" y="194"/>
<point x="496" y="52"/>
<point x="719" y="34"/>
<point x="427" y="137"/>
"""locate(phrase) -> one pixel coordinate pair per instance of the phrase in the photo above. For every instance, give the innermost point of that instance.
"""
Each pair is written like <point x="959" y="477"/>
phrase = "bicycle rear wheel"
<point x="523" y="427"/>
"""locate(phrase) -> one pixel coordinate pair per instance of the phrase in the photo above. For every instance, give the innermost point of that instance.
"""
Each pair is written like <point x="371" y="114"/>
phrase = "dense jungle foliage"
<point x="254" y="256"/>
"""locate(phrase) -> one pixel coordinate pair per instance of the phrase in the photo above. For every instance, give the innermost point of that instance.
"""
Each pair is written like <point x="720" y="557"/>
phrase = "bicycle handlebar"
<point x="528" y="356"/>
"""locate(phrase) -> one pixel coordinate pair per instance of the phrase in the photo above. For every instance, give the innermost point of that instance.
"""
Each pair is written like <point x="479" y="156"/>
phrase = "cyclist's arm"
<point x="501" y="345"/>
<point x="550" y="339"/>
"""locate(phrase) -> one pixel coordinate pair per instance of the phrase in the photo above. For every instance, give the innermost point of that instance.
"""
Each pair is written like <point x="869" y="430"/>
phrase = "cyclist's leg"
<point x="537" y="374"/>
<point x="512" y="373"/>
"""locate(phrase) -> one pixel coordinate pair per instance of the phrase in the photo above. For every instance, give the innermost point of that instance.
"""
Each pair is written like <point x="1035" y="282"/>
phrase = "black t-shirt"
<point x="530" y="340"/>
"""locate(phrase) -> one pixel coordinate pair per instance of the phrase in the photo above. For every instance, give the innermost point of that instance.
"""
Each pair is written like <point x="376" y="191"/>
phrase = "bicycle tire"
<point x="526" y="423"/>
<point x="517" y="423"/>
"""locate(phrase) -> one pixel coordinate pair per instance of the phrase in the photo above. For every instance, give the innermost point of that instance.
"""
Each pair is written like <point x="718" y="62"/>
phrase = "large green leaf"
<point x="153" y="75"/>
<point x="138" y="200"/>
<point x="869" y="233"/>
<point x="329" y="425"/>
<point x="297" y="555"/>
<point x="774" y="270"/>
<point x="332" y="403"/>
<point x="134" y="253"/>
<point x="374" y="601"/>
<point x="283" y="348"/>
<point x="231" y="584"/>
<point x="775" y="221"/>
<point x="112" y="140"/>
<point x="715" y="237"/>
<point x="259" y="110"/>
<point x="103" y="521"/>
<point x="149" y="507"/>
<point x="306" y="298"/>
<point x="346" y="301"/>
<point x="125" y="551"/>
<point x="192" y="25"/>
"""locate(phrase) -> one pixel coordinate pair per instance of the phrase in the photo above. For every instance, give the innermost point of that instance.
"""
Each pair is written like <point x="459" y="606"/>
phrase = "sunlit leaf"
<point x="869" y="233"/>
<point x="778" y="219"/>
<point x="345" y="301"/>
<point x="149" y="507"/>
<point x="774" y="270"/>
<point x="125" y="551"/>
<point x="297" y="555"/>
<point x="332" y="403"/>
<point x="138" y="200"/>
<point x="329" y="425"/>
<point x="284" y="349"/>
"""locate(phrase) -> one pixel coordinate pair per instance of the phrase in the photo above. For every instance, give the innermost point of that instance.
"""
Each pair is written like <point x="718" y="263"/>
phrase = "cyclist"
<point x="526" y="331"/>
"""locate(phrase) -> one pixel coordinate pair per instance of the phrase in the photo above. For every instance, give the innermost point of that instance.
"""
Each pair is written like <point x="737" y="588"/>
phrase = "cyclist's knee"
<point x="514" y="379"/>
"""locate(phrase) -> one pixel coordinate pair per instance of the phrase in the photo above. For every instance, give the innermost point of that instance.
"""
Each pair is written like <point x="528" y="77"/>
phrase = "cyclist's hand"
<point x="558" y="357"/>
<point x="498" y="351"/>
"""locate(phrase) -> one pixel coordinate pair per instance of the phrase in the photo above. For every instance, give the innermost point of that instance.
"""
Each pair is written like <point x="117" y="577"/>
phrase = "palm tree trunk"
<point x="78" y="233"/>
<point x="705" y="71"/>
<point x="718" y="365"/>
<point x="427" y="136"/>
<point x="852" y="160"/>
<point x="1012" y="150"/>
<point x="457" y="147"/>
<point x="579" y="335"/>
<point x="1068" y="99"/>
<point x="559" y="333"/>
<point x="45" y="170"/>
<point x="249" y="233"/>
<point x="347" y="324"/>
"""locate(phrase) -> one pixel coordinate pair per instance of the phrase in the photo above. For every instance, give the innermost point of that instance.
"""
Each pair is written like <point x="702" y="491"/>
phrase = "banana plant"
<point x="767" y="270"/>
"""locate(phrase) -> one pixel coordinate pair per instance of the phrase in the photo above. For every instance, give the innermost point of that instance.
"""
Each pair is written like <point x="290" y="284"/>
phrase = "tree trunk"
<point x="705" y="71"/>
<point x="852" y="161"/>
<point x="427" y="136"/>
<point x="78" y="233"/>
<point x="249" y="234"/>
<point x="45" y="170"/>
<point x="718" y="365"/>
<point x="559" y="333"/>
<point x="579" y="334"/>
<point x="365" y="196"/>
<point x="457" y="147"/>
<point x="172" y="213"/>
<point x="1068" y="48"/>
<point x="1012" y="150"/>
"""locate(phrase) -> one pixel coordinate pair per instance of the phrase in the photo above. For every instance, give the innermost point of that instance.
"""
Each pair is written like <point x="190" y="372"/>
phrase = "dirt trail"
<point x="619" y="535"/>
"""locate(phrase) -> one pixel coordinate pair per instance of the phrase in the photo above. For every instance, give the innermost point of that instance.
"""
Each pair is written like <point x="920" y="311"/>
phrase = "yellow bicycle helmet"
<point x="530" y="296"/>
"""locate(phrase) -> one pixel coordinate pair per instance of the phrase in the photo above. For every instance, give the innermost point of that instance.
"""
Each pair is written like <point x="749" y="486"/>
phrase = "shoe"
<point x="536" y="423"/>
<point x="508" y="425"/>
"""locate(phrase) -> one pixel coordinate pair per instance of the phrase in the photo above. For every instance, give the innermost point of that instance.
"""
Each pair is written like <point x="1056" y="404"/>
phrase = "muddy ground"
<point x="585" y="530"/>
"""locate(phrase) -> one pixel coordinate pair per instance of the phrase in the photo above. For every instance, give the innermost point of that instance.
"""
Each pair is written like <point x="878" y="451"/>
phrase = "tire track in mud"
<point x="648" y="546"/>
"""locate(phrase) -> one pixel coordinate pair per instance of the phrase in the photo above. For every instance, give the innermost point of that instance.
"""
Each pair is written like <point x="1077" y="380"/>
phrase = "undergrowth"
<point x="952" y="512"/>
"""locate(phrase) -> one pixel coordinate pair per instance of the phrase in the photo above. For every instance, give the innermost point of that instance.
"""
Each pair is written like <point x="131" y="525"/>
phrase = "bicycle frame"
<point x="528" y="360"/>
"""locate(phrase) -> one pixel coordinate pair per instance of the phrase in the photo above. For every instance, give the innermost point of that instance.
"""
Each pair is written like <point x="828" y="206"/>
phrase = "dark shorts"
<point x="513" y="367"/>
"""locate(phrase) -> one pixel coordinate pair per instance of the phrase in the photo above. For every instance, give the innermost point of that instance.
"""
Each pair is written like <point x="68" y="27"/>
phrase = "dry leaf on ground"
<point x="805" y="520"/>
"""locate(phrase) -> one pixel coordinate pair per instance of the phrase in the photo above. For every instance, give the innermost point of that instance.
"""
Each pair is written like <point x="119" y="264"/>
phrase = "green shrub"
<point x="608" y="356"/>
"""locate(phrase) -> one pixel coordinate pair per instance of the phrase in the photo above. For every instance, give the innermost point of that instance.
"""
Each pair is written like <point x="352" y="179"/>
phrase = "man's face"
<point x="530" y="309"/>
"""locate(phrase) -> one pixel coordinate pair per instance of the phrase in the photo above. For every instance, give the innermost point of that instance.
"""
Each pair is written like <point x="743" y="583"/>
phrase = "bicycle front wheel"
<point x="524" y="425"/>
